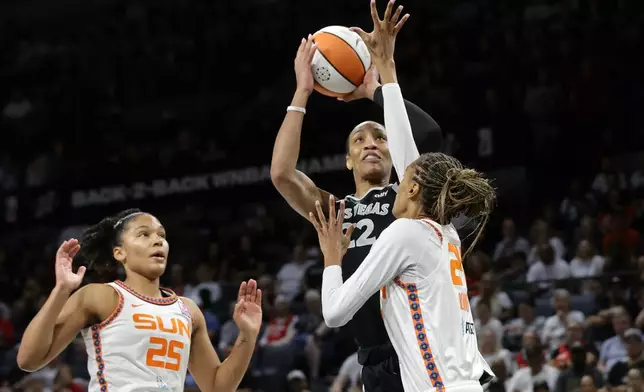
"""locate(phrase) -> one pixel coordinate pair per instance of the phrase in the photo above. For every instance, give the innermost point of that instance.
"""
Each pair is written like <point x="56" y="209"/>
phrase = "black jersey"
<point x="370" y="214"/>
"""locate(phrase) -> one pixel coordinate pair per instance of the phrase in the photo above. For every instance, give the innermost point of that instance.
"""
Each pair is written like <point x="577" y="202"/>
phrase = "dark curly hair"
<point x="448" y="190"/>
<point x="98" y="241"/>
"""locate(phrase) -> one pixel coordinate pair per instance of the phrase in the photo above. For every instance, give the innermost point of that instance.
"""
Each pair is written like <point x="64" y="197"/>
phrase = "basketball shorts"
<point x="380" y="369"/>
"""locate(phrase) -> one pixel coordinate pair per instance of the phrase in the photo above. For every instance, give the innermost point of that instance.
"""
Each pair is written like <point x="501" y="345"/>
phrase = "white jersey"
<point x="143" y="345"/>
<point x="416" y="264"/>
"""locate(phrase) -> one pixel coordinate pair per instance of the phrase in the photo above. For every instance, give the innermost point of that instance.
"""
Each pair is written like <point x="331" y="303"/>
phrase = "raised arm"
<point x="63" y="315"/>
<point x="210" y="374"/>
<point x="296" y="187"/>
<point x="426" y="132"/>
<point x="389" y="256"/>
<point x="381" y="43"/>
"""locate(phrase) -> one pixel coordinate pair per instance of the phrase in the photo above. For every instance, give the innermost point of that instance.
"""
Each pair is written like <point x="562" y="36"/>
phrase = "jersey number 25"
<point x="164" y="354"/>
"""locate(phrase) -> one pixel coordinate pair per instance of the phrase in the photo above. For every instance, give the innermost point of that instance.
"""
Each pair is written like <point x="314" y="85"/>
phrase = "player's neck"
<point x="363" y="186"/>
<point x="143" y="285"/>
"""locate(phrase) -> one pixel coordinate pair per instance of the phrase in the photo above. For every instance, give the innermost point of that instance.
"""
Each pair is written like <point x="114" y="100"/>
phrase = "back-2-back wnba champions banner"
<point x="249" y="183"/>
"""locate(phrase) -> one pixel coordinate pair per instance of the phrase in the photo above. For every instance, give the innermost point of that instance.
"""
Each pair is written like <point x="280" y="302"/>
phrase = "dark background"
<point x="122" y="101"/>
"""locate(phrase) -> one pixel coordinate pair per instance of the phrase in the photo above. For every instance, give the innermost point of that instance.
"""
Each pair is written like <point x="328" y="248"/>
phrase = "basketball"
<point x="340" y="61"/>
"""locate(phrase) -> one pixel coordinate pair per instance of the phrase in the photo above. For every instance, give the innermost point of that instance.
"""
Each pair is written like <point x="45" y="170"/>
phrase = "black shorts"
<point x="380" y="369"/>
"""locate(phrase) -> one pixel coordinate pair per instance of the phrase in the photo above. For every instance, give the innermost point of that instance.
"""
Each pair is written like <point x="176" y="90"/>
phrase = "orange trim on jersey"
<point x="429" y="223"/>
<point x="98" y="347"/>
<point x="153" y="300"/>
<point x="117" y="310"/>
<point x="421" y="334"/>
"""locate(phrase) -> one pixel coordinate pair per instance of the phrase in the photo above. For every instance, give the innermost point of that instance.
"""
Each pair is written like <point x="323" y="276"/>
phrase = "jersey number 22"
<point x="365" y="238"/>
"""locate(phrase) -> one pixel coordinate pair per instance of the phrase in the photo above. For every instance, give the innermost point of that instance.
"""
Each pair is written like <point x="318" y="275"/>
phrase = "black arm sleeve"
<point x="427" y="133"/>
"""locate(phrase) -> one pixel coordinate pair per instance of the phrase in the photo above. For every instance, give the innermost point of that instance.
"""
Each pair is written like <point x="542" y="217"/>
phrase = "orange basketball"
<point x="340" y="61"/>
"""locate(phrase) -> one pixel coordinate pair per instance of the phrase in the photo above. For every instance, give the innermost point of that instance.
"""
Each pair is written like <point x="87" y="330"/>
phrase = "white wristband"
<point x="296" y="109"/>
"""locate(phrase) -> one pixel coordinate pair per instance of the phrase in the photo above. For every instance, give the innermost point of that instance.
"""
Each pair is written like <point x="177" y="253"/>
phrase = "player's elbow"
<point x="281" y="177"/>
<point x="26" y="362"/>
<point x="333" y="318"/>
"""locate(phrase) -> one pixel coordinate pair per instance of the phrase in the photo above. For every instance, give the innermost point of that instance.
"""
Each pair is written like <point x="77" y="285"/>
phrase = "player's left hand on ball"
<point x="248" y="310"/>
<point x="334" y="242"/>
<point x="382" y="40"/>
<point x="368" y="87"/>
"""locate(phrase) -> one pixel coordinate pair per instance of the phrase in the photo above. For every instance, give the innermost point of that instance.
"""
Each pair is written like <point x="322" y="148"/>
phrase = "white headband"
<point x="126" y="217"/>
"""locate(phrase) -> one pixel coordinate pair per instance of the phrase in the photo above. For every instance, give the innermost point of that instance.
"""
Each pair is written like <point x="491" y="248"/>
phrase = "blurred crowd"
<point x="115" y="92"/>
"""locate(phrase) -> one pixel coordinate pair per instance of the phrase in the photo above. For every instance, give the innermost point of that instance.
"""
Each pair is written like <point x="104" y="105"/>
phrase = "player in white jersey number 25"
<point x="416" y="264"/>
<point x="139" y="336"/>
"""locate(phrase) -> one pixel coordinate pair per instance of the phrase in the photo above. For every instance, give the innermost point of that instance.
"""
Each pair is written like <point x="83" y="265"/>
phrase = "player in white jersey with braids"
<point x="416" y="264"/>
<point x="139" y="336"/>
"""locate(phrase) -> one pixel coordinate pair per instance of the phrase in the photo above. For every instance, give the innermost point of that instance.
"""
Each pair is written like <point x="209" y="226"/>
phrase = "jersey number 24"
<point x="458" y="275"/>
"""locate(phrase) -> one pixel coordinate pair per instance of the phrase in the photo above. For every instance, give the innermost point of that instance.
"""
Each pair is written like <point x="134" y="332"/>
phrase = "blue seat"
<point x="584" y="303"/>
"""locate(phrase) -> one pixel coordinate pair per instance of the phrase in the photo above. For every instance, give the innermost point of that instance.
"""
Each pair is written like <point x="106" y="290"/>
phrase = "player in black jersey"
<point x="371" y="153"/>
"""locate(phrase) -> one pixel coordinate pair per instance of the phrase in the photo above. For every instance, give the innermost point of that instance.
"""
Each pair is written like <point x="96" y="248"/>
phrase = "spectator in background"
<point x="635" y="381"/>
<point x="527" y="320"/>
<point x="547" y="268"/>
<point x="587" y="230"/>
<point x="510" y="243"/>
<point x="501" y="381"/>
<point x="228" y="335"/>
<point x="608" y="178"/>
<point x="485" y="320"/>
<point x="587" y="384"/>
<point x="475" y="266"/>
<point x="620" y="241"/>
<point x="554" y="330"/>
<point x="634" y="358"/>
<point x="562" y="356"/>
<point x="613" y="350"/>
<point x="349" y="374"/>
<point x="297" y="381"/>
<point x="574" y="204"/>
<point x="492" y="350"/>
<point x="515" y="270"/>
<point x="609" y="301"/>
<point x="587" y="263"/>
<point x="307" y="325"/>
<point x="537" y="371"/>
<point x="280" y="329"/>
<point x="540" y="234"/>
<point x="639" y="308"/>
<point x="571" y="377"/>
<point x="490" y="292"/>
<point x="289" y="277"/>
<point x="206" y="281"/>
<point x="267" y="285"/>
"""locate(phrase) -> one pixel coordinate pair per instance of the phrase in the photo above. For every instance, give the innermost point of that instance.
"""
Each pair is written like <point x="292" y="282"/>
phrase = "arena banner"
<point x="28" y="206"/>
<point x="163" y="187"/>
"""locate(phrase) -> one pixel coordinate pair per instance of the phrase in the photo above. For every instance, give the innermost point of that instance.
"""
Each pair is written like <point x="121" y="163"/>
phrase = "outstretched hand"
<point x="333" y="242"/>
<point x="382" y="40"/>
<point x="65" y="277"/>
<point x="248" y="310"/>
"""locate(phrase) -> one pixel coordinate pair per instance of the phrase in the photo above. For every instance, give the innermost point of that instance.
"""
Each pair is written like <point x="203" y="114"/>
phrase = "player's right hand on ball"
<point x="303" y="60"/>
<point x="65" y="277"/>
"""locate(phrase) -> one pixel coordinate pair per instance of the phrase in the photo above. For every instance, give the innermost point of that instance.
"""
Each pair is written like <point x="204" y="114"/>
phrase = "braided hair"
<point x="98" y="241"/>
<point x="448" y="190"/>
